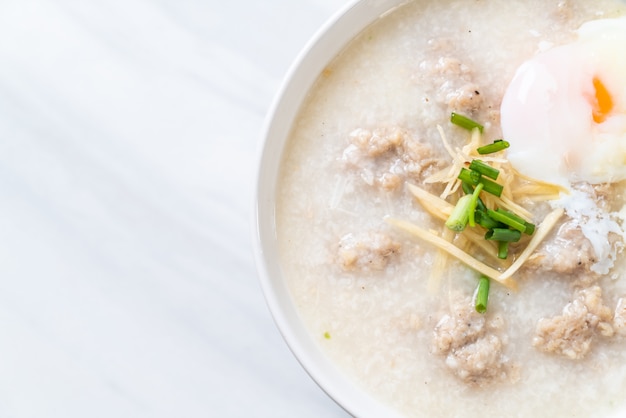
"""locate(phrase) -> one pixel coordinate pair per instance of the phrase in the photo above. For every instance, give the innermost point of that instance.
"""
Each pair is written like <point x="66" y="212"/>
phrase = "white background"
<point x="129" y="132"/>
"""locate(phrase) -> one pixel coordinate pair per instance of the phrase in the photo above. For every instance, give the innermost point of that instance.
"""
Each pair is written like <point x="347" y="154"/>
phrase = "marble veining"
<point x="129" y="132"/>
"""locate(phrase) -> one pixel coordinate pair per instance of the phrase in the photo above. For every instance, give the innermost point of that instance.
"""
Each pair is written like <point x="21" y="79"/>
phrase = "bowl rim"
<point x="328" y="41"/>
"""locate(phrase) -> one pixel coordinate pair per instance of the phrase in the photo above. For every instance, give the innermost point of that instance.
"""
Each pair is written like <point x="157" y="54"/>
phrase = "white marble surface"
<point x="128" y="137"/>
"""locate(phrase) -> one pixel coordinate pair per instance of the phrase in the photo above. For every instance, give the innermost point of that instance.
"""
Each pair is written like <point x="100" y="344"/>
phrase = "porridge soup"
<point x="369" y="181"/>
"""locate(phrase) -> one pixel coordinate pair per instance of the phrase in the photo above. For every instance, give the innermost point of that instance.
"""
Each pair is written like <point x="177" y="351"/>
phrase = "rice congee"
<point x="450" y="209"/>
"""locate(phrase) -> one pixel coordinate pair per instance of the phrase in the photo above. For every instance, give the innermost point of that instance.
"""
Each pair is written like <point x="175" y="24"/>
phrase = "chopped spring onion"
<point x="474" y="178"/>
<point x="503" y="250"/>
<point x="484" y="169"/>
<point x="497" y="145"/>
<point x="473" y="204"/>
<point x="530" y="228"/>
<point x="465" y="122"/>
<point x="469" y="176"/>
<point x="503" y="234"/>
<point x="483" y="219"/>
<point x="481" y="296"/>
<point x="467" y="188"/>
<point x="492" y="187"/>
<point x="480" y="205"/>
<point x="512" y="220"/>
<point x="458" y="219"/>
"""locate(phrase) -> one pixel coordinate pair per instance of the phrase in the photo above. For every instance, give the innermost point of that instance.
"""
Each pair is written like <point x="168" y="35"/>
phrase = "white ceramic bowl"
<point x="322" y="48"/>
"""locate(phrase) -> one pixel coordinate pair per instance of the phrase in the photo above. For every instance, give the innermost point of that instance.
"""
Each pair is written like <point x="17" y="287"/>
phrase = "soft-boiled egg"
<point x="564" y="112"/>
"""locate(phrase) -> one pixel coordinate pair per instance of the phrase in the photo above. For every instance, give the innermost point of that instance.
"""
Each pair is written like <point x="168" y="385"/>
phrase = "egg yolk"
<point x="602" y="104"/>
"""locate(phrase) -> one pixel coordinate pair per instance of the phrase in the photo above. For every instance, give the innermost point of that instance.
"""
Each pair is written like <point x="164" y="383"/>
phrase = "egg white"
<point x="547" y="110"/>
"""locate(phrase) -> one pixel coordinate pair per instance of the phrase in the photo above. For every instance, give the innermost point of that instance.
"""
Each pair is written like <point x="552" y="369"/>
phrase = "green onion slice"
<point x="497" y="145"/>
<point x="492" y="187"/>
<point x="503" y="234"/>
<point x="484" y="169"/>
<point x="508" y="218"/>
<point x="469" y="176"/>
<point x="483" y="219"/>
<point x="465" y="122"/>
<point x="503" y="250"/>
<point x="474" y="178"/>
<point x="467" y="188"/>
<point x="458" y="219"/>
<point x="530" y="228"/>
<point x="473" y="204"/>
<point x="481" y="295"/>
